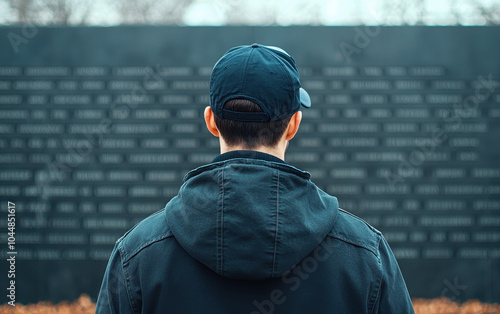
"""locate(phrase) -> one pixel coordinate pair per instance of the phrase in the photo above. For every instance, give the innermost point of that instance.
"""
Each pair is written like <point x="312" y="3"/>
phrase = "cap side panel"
<point x="294" y="83"/>
<point x="244" y="76"/>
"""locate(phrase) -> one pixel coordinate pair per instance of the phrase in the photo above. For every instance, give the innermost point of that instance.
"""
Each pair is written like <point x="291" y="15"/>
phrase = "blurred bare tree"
<point x="151" y="11"/>
<point x="420" y="6"/>
<point x="458" y="12"/>
<point x="135" y="11"/>
<point x="25" y="10"/>
<point x="491" y="13"/>
<point x="483" y="11"/>
<point x="64" y="12"/>
<point x="240" y="12"/>
<point x="237" y="14"/>
<point x="249" y="12"/>
<point x="58" y="12"/>
<point x="404" y="12"/>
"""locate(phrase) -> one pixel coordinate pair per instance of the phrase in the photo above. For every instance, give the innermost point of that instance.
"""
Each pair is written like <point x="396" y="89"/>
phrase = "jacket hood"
<point x="250" y="219"/>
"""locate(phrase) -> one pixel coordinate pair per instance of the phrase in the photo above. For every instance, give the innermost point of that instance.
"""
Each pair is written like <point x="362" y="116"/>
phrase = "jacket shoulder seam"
<point x="350" y="240"/>
<point x="123" y="246"/>
<point x="120" y="239"/>
<point x="361" y="219"/>
<point x="347" y="239"/>
<point x="128" y="256"/>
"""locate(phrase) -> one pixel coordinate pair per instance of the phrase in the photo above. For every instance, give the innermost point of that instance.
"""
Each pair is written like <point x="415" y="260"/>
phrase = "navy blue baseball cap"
<point x="265" y="75"/>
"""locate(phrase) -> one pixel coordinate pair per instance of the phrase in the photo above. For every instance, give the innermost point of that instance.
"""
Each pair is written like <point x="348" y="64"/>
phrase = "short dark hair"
<point x="249" y="134"/>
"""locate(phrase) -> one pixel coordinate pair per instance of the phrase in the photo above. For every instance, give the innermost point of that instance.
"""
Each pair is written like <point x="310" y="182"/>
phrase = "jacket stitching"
<point x="142" y="247"/>
<point x="277" y="221"/>
<point x="377" y="294"/>
<point x="222" y="225"/>
<point x="355" y="243"/>
<point x="130" y="230"/>
<point x="217" y="231"/>
<point x="127" y="283"/>
<point x="359" y="218"/>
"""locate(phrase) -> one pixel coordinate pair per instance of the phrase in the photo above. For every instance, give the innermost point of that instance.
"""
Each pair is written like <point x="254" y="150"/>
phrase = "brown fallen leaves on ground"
<point x="84" y="305"/>
<point x="446" y="306"/>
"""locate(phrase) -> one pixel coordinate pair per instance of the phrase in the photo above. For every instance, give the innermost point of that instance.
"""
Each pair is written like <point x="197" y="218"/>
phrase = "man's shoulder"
<point x="147" y="232"/>
<point x="354" y="230"/>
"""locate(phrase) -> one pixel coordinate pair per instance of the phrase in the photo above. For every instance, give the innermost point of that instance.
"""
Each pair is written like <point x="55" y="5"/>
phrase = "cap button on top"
<point x="255" y="45"/>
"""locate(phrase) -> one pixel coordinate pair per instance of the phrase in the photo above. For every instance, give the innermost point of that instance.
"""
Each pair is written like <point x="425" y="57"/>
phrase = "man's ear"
<point x="210" y="122"/>
<point x="293" y="126"/>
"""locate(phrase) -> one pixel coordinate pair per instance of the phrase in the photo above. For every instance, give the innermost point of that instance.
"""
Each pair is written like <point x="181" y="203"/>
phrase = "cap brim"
<point x="305" y="99"/>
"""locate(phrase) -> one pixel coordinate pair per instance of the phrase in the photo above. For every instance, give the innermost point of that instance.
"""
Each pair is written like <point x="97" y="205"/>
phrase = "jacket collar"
<point x="248" y="154"/>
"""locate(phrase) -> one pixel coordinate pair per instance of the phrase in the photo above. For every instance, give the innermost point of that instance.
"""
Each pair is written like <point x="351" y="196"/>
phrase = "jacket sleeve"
<point x="393" y="294"/>
<point x="113" y="296"/>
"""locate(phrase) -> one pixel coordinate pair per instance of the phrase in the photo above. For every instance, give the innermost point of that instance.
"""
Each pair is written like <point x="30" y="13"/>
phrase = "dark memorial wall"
<point x="99" y="125"/>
